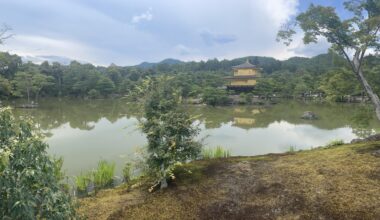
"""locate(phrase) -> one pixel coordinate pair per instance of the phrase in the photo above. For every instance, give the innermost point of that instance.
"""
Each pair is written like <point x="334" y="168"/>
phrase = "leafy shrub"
<point x="93" y="94"/>
<point x="169" y="129"/>
<point x="218" y="152"/>
<point x="215" y="96"/>
<point x="30" y="181"/>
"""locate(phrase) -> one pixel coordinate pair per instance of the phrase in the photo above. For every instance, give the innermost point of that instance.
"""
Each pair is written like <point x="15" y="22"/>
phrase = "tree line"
<point x="326" y="74"/>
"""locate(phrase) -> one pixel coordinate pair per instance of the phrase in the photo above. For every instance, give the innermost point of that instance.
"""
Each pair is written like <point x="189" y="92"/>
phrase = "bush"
<point x="169" y="129"/>
<point x="31" y="181"/>
<point x="93" y="94"/>
<point x="215" y="96"/>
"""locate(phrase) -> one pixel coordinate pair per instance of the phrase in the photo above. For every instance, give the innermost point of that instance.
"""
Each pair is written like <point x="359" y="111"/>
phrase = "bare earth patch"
<point x="335" y="183"/>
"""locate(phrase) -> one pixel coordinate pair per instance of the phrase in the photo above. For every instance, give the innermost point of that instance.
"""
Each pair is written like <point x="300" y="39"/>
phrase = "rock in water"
<point x="375" y="137"/>
<point x="309" y="115"/>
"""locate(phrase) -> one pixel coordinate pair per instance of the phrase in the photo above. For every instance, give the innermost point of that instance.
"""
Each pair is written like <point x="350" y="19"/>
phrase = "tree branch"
<point x="3" y="33"/>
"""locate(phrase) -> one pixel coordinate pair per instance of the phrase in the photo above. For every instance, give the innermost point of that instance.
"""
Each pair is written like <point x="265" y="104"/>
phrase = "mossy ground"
<point x="340" y="182"/>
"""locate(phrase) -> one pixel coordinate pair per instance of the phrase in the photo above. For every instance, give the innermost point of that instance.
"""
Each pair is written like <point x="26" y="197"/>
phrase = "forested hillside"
<point x="325" y="74"/>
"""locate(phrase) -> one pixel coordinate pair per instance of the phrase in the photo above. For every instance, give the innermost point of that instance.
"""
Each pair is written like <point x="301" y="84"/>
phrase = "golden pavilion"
<point x="244" y="78"/>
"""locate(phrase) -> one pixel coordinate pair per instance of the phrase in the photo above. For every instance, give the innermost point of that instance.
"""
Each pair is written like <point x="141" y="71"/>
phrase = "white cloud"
<point x="38" y="48"/>
<point x="211" y="38"/>
<point x="311" y="49"/>
<point x="147" y="16"/>
<point x="184" y="50"/>
<point x="107" y="32"/>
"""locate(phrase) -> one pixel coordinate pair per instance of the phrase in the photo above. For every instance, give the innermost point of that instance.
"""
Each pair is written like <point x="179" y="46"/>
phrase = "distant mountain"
<point x="169" y="61"/>
<point x="50" y="59"/>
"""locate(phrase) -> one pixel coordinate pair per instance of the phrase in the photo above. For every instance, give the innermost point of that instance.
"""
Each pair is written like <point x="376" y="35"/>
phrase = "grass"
<point x="82" y="182"/>
<point x="102" y="177"/>
<point x="127" y="172"/>
<point x="218" y="152"/>
<point x="323" y="183"/>
<point x="334" y="143"/>
<point x="292" y="149"/>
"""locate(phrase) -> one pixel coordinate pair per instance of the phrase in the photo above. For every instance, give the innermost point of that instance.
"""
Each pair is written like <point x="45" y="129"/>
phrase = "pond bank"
<point x="340" y="182"/>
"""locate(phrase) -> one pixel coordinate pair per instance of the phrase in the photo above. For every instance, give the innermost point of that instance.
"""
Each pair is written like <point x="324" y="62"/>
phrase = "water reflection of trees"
<point x="81" y="114"/>
<point x="84" y="114"/>
<point x="331" y="116"/>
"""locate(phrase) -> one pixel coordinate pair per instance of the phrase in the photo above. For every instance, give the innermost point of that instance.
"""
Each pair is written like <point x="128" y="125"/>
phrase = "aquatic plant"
<point x="83" y="182"/>
<point x="291" y="149"/>
<point x="218" y="152"/>
<point x="100" y="178"/>
<point x="103" y="175"/>
<point x="335" y="143"/>
<point x="127" y="172"/>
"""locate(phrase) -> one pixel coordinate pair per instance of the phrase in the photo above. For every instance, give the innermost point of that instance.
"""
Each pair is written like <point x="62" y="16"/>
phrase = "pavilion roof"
<point x="246" y="65"/>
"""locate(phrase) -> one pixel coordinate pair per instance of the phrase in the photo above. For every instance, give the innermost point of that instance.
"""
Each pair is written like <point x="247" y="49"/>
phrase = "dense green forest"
<point x="326" y="75"/>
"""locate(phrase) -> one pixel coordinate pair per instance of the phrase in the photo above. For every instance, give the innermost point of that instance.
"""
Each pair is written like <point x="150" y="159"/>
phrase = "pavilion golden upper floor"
<point x="244" y="78"/>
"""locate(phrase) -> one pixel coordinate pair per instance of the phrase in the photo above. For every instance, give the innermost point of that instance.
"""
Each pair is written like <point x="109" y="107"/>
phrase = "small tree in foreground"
<point x="169" y="129"/>
<point x="30" y="181"/>
<point x="357" y="34"/>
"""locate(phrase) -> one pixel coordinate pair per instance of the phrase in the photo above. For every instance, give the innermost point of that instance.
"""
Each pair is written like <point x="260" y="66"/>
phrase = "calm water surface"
<point x="83" y="132"/>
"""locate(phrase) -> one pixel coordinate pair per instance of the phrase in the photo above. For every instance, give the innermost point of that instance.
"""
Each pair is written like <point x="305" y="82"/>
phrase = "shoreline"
<point x="340" y="182"/>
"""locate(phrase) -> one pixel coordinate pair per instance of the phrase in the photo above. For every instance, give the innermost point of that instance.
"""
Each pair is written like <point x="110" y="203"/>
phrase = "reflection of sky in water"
<point x="275" y="138"/>
<point x="82" y="149"/>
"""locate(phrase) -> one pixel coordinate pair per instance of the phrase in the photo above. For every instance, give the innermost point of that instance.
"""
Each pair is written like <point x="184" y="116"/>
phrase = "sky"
<point x="128" y="32"/>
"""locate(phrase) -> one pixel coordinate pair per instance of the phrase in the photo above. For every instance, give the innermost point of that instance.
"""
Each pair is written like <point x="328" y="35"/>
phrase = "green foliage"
<point x="28" y="83"/>
<point x="30" y="181"/>
<point x="215" y="96"/>
<point x="338" y="84"/>
<point x="218" y="152"/>
<point x="349" y="35"/>
<point x="105" y="86"/>
<point x="127" y="172"/>
<point x="169" y="129"/>
<point x="93" y="94"/>
<point x="335" y="143"/>
<point x="292" y="149"/>
<point x="100" y="178"/>
<point x="83" y="182"/>
<point x="295" y="77"/>
<point x="103" y="175"/>
<point x="5" y="87"/>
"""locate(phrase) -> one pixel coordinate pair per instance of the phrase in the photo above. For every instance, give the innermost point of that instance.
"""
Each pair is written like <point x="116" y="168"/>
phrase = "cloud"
<point x="105" y="32"/>
<point x="36" y="48"/>
<point x="211" y="38"/>
<point x="184" y="50"/>
<point x="147" y="16"/>
<point x="312" y="49"/>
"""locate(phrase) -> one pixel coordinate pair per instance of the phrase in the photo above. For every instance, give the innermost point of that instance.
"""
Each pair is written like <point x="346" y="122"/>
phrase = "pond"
<point x="86" y="131"/>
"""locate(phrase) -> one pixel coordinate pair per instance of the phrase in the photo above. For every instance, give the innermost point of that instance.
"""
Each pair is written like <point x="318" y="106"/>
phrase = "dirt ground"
<point x="340" y="182"/>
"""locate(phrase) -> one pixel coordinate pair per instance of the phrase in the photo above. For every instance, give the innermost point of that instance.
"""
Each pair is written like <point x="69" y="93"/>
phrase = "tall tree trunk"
<point x="37" y="94"/>
<point x="59" y="86"/>
<point x="372" y="95"/>
<point x="27" y="93"/>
